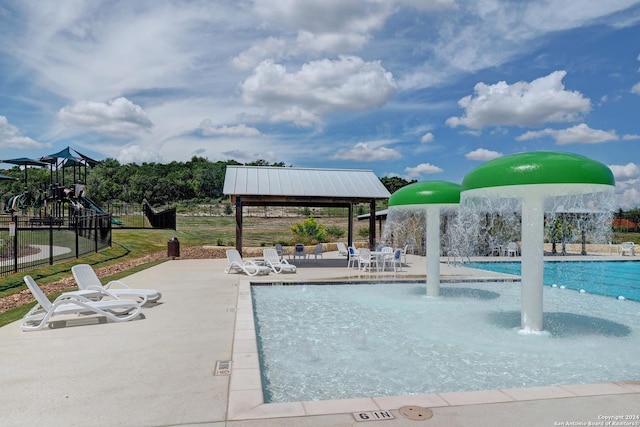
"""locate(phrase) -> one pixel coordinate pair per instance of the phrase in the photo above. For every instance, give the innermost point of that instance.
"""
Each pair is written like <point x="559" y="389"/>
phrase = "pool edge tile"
<point x="326" y="407"/>
<point x="475" y="397"/>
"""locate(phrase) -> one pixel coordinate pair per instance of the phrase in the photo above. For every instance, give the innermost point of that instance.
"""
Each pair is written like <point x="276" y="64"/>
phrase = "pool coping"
<point x="246" y="401"/>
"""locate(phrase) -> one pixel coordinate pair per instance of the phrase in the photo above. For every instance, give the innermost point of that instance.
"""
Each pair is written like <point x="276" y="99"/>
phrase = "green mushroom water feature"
<point x="432" y="198"/>
<point x="541" y="182"/>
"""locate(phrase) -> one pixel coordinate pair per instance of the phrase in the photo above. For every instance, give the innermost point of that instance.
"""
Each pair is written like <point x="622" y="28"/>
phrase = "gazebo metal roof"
<point x="288" y="183"/>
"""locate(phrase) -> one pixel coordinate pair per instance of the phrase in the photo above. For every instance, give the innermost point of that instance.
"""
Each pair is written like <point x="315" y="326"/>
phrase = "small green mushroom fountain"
<point x="430" y="197"/>
<point x="541" y="181"/>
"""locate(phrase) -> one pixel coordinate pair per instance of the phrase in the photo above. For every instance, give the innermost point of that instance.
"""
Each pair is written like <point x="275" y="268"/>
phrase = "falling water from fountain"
<point x="428" y="200"/>
<point x="530" y="188"/>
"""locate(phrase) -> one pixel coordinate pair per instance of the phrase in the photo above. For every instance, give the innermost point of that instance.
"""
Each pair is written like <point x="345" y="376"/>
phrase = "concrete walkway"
<point x="161" y="370"/>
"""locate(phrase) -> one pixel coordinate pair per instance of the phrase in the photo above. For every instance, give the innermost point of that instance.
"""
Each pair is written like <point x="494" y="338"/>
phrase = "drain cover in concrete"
<point x="416" y="413"/>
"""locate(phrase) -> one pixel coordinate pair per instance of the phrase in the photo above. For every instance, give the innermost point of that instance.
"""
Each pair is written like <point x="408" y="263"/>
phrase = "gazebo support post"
<point x="372" y="225"/>
<point x="350" y="226"/>
<point x="239" y="224"/>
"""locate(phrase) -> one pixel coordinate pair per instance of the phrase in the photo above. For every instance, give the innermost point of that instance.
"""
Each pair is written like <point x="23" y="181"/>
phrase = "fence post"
<point x="75" y="227"/>
<point x="95" y="232"/>
<point x="50" y="240"/>
<point x="14" y="218"/>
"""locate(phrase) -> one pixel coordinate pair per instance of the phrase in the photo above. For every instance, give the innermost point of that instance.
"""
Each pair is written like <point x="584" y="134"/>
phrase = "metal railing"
<point x="27" y="242"/>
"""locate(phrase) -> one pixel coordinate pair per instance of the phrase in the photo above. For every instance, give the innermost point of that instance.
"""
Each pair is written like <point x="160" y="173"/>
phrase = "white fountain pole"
<point x="532" y="259"/>
<point x="433" y="250"/>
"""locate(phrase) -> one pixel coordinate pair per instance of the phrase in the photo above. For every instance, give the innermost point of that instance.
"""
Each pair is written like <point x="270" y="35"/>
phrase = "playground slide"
<point x="164" y="219"/>
<point x="87" y="201"/>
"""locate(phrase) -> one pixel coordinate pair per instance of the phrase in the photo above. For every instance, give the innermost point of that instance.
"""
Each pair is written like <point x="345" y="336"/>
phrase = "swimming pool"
<point x="609" y="278"/>
<point x="328" y="341"/>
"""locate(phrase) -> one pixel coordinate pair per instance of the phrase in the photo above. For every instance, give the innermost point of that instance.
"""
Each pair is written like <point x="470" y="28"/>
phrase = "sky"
<point x="419" y="89"/>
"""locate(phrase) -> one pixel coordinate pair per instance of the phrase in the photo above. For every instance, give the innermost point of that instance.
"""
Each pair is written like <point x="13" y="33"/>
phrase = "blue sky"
<point x="422" y="89"/>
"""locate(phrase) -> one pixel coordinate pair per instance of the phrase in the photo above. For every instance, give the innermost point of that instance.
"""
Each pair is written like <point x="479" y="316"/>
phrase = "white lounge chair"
<point x="627" y="247"/>
<point x="87" y="279"/>
<point x="342" y="249"/>
<point x="117" y="310"/>
<point x="276" y="264"/>
<point x="250" y="268"/>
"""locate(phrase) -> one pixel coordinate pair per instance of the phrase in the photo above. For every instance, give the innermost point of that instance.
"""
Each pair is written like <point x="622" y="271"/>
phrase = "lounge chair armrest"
<point x="103" y="291"/>
<point x="116" y="283"/>
<point x="73" y="297"/>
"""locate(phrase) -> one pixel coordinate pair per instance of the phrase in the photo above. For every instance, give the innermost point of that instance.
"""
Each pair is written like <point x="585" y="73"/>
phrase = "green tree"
<point x="395" y="183"/>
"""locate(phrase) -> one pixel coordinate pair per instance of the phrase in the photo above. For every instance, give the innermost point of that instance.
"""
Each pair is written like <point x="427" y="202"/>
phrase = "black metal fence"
<point x="26" y="242"/>
<point x="135" y="215"/>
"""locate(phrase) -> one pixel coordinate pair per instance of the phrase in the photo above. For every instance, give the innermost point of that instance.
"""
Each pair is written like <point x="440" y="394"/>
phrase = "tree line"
<point x="196" y="180"/>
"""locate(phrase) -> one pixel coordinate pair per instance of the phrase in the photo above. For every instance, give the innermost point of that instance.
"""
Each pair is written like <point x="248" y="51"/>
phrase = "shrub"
<point x="364" y="232"/>
<point x="309" y="231"/>
<point x="335" y="232"/>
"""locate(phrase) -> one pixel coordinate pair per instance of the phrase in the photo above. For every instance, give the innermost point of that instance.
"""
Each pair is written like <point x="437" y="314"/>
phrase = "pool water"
<point x="326" y="341"/>
<point x="610" y="278"/>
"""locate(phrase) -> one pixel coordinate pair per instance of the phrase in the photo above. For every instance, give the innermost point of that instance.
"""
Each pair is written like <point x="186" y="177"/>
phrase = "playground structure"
<point x="62" y="200"/>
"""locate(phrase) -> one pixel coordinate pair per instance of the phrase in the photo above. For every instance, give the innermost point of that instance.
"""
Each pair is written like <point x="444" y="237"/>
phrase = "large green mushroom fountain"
<point x="541" y="181"/>
<point x="431" y="197"/>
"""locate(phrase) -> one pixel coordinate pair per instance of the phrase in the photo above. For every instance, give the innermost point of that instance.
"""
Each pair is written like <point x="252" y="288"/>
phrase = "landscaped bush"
<point x="309" y="231"/>
<point x="334" y="232"/>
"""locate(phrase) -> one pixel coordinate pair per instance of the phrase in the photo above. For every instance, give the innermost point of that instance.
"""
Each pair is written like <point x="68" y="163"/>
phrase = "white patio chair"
<point x="627" y="247"/>
<point x="276" y="264"/>
<point x="250" y="268"/>
<point x="396" y="260"/>
<point x="342" y="249"/>
<point x="353" y="257"/>
<point x="117" y="310"/>
<point x="87" y="279"/>
<point x="404" y="253"/>
<point x="317" y="252"/>
<point x="512" y="249"/>
<point x="365" y="260"/>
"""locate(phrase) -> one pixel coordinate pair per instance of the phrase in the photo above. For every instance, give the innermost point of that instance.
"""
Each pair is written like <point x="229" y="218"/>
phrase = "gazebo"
<point x="282" y="186"/>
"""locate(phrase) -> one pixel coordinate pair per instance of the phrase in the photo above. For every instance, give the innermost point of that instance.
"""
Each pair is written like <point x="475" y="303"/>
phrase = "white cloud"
<point x="627" y="193"/>
<point x="431" y="5"/>
<point x="314" y="27"/>
<point x="521" y="104"/>
<point x="579" y="134"/>
<point x="319" y="87"/>
<point x="271" y="47"/>
<point x="93" y="50"/>
<point x="365" y="153"/>
<point x="482" y="154"/>
<point x="209" y="129"/>
<point x="630" y="137"/>
<point x="116" y="117"/>
<point x="324" y="16"/>
<point x="11" y="137"/>
<point x="636" y="88"/>
<point x="427" y="137"/>
<point x="630" y="170"/>
<point x="138" y="154"/>
<point x="422" y="169"/>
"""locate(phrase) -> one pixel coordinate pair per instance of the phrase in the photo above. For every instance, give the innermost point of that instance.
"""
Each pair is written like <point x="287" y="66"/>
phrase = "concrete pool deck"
<point x="161" y="370"/>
